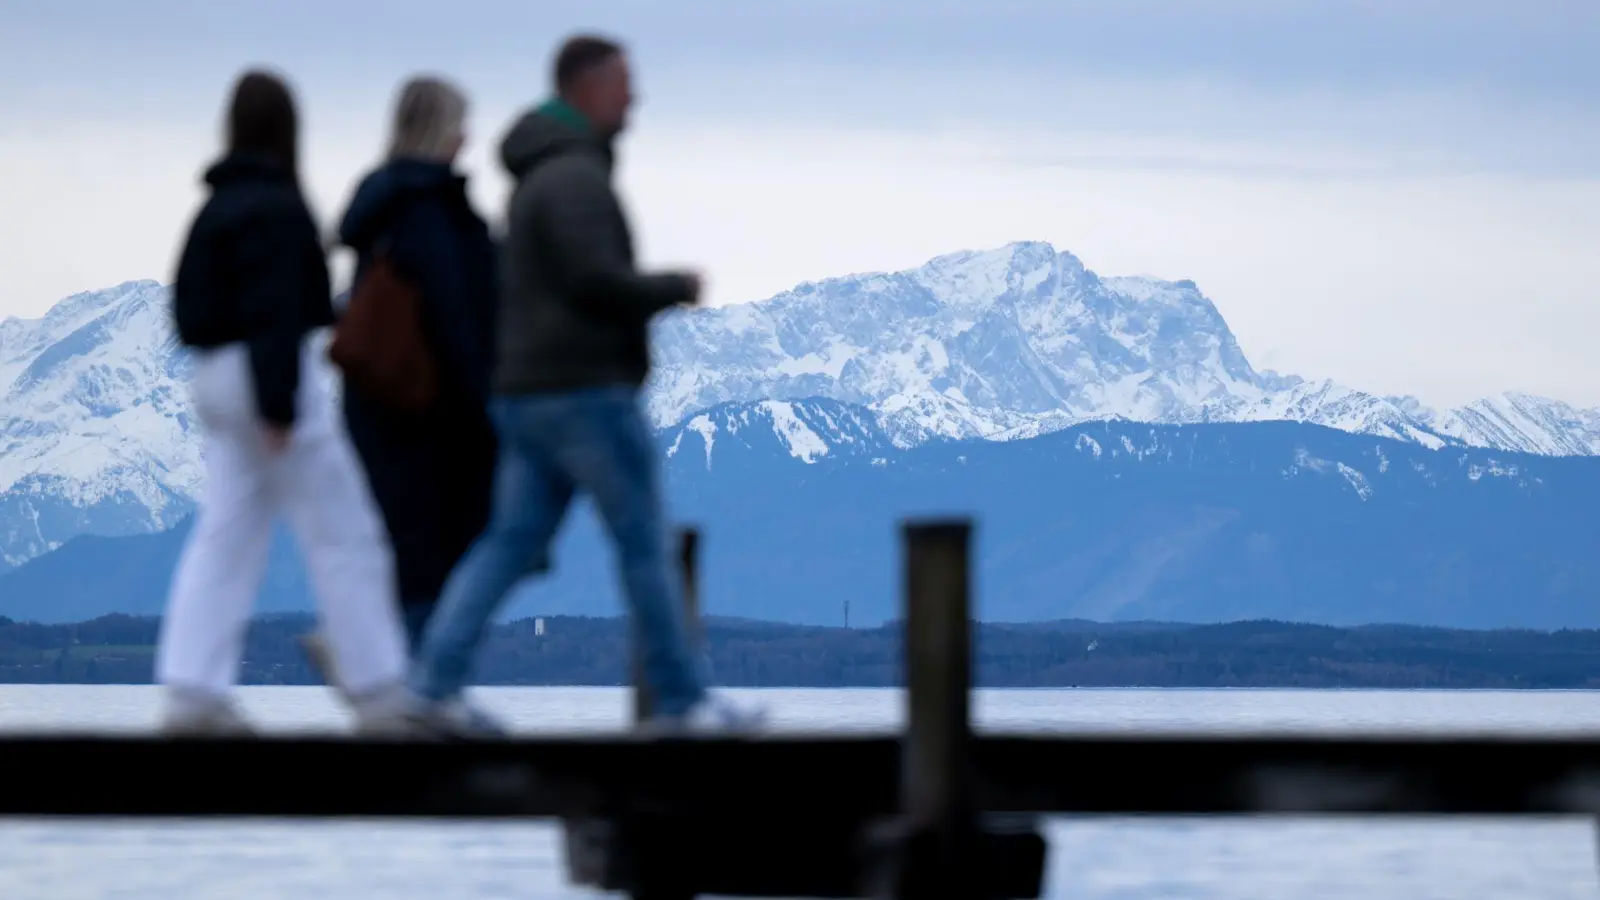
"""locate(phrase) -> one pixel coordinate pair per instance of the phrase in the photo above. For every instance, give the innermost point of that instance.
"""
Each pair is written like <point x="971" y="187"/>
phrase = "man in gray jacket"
<point x="572" y="357"/>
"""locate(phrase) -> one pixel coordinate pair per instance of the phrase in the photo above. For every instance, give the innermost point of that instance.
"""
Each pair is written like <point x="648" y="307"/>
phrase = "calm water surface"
<point x="1100" y="859"/>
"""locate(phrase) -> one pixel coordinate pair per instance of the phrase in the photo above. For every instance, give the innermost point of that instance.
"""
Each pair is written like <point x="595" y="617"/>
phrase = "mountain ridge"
<point x="1109" y="521"/>
<point x="1000" y="344"/>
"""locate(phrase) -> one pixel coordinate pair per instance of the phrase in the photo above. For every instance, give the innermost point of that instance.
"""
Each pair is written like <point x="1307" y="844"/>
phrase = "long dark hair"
<point x="262" y="119"/>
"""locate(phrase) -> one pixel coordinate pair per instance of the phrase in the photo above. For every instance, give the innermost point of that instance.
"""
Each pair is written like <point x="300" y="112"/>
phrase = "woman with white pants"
<point x="252" y="284"/>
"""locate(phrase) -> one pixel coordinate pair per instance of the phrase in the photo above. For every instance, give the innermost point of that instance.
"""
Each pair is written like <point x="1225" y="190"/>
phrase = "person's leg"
<point x="530" y="500"/>
<point x="347" y="552"/>
<point x="219" y="573"/>
<point x="611" y="454"/>
<point x="461" y="477"/>
<point x="411" y="489"/>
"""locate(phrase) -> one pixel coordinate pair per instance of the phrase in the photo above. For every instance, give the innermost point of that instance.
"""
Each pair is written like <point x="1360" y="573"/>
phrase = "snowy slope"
<point x="1001" y="344"/>
<point x="1519" y="422"/>
<point x="969" y="345"/>
<point x="808" y="430"/>
<point x="93" y="422"/>
<point x="1024" y="340"/>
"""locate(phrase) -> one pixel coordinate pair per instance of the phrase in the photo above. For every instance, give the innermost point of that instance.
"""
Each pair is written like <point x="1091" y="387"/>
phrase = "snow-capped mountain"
<point x="93" y="422"/>
<point x="999" y="344"/>
<point x="969" y="345"/>
<point x="1024" y="340"/>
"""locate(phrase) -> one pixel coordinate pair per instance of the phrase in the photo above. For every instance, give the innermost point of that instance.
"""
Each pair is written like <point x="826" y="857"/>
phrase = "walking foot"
<point x="385" y="712"/>
<point x="188" y="716"/>
<point x="454" y="719"/>
<point x="714" y="714"/>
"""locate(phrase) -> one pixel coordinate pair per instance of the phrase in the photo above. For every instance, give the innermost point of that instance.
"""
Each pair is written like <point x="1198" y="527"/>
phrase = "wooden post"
<point x="936" y="786"/>
<point x="688" y="564"/>
<point x="688" y="561"/>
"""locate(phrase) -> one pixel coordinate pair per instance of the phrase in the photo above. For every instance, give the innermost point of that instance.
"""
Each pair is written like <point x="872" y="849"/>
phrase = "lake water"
<point x="1090" y="859"/>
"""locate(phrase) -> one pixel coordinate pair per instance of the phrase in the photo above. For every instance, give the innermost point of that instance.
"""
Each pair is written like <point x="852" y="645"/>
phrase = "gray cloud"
<point x="1463" y="87"/>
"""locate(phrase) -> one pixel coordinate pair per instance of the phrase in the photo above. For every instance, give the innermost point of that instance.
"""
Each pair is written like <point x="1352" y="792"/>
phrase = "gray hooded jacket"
<point x="574" y="312"/>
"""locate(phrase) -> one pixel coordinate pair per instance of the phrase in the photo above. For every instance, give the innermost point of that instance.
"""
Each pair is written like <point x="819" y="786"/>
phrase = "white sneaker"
<point x="715" y="714"/>
<point x="453" y="719"/>
<point x="385" y="712"/>
<point x="189" y="716"/>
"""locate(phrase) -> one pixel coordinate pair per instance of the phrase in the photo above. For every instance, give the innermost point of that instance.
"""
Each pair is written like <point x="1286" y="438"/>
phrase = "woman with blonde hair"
<point x="430" y="464"/>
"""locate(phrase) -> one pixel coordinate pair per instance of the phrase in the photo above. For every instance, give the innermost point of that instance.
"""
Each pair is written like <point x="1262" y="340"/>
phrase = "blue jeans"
<point x="551" y="447"/>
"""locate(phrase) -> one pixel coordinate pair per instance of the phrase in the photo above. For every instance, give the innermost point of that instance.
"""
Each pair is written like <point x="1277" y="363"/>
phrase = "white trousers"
<point x="318" y="484"/>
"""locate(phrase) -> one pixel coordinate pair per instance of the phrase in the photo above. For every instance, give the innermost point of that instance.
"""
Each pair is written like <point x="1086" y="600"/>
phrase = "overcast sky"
<point x="1403" y="195"/>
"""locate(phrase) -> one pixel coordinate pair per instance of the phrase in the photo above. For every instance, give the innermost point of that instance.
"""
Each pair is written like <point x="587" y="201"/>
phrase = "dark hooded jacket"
<point x="253" y="271"/>
<point x="574" y="312"/>
<point x="431" y="472"/>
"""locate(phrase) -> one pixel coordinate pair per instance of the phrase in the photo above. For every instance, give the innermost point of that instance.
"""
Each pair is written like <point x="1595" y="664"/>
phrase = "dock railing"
<point x="936" y="812"/>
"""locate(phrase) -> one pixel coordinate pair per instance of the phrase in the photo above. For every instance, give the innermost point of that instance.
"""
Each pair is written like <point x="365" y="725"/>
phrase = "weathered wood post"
<point x="936" y="779"/>
<point x="631" y="853"/>
<point x="935" y="847"/>
<point x="930" y="853"/>
<point x="688" y="562"/>
<point x="940" y="847"/>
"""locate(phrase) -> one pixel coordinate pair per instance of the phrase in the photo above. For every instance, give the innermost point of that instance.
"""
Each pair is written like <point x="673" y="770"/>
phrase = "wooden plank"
<point x="603" y="776"/>
<point x="1224" y="774"/>
<point x="827" y="775"/>
<point x="678" y="856"/>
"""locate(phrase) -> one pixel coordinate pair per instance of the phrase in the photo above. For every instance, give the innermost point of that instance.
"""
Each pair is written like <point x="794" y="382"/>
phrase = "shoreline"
<point x="566" y="651"/>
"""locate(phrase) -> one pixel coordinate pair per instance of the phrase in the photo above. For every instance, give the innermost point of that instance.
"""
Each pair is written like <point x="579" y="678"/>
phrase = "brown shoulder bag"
<point x="378" y="343"/>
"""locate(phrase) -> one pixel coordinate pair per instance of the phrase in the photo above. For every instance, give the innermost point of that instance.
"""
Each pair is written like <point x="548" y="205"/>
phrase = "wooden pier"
<point x="934" y="812"/>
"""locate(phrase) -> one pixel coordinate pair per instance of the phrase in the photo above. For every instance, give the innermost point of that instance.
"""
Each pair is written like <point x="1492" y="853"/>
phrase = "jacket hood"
<point x="386" y="190"/>
<point x="554" y="129"/>
<point x="246" y="167"/>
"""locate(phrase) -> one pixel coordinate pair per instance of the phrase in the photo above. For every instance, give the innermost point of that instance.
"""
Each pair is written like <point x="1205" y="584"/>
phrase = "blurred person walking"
<point x="572" y="357"/>
<point x="252" y="283"/>
<point x="425" y="287"/>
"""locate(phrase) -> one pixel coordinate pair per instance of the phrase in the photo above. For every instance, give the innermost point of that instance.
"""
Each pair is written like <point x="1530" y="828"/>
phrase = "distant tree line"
<point x="595" y="651"/>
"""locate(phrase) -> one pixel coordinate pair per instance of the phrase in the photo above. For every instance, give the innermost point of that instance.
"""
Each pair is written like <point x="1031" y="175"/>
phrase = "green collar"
<point x="562" y="111"/>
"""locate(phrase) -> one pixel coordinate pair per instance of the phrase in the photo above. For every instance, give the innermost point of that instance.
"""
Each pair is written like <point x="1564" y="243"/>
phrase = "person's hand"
<point x="277" y="438"/>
